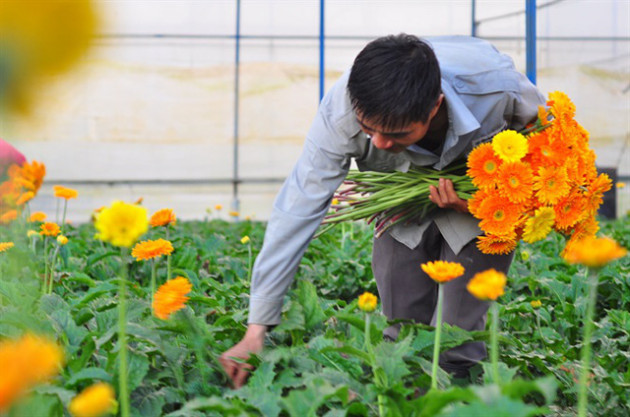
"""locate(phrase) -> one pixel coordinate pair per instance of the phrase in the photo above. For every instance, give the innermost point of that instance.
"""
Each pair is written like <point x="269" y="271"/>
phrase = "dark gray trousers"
<point x="406" y="292"/>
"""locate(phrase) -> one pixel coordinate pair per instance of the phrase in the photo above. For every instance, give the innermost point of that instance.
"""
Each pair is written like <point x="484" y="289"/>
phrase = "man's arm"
<point x="298" y="211"/>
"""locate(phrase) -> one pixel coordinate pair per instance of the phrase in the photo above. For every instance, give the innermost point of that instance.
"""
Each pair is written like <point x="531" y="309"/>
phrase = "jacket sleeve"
<point x="297" y="212"/>
<point x="526" y="104"/>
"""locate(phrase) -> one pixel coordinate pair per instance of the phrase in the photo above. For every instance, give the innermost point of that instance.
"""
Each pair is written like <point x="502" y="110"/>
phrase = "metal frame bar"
<point x="530" y="34"/>
<point x="237" y="59"/>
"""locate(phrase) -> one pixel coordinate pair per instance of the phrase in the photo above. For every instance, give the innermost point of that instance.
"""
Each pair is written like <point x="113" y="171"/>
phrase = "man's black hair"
<point x="394" y="81"/>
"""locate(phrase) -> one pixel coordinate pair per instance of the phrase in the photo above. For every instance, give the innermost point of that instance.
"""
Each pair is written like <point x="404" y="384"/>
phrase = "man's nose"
<point x="380" y="142"/>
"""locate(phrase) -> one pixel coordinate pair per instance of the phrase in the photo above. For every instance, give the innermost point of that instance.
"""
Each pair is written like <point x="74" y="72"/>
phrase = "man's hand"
<point x="445" y="196"/>
<point x="252" y="342"/>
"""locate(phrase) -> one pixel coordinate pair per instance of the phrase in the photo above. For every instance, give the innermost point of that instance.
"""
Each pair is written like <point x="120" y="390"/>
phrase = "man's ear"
<point x="436" y="108"/>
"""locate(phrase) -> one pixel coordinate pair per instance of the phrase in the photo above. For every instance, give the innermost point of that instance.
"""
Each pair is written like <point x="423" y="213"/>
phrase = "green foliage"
<point x="315" y="363"/>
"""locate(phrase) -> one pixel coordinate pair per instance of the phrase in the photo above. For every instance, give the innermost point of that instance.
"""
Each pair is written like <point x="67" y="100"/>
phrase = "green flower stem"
<point x="153" y="274"/>
<point x="168" y="257"/>
<point x="438" y="333"/>
<point x="122" y="338"/>
<point x="45" y="283"/>
<point x="249" y="263"/>
<point x="53" y="265"/>
<point x="63" y="219"/>
<point x="494" y="343"/>
<point x="586" y="343"/>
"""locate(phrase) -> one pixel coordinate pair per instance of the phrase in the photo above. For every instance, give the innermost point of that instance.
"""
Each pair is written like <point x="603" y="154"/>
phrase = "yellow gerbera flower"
<point x="62" y="240"/>
<point x="218" y="207"/>
<point x="94" y="401"/>
<point x="163" y="217"/>
<point x="121" y="224"/>
<point x="170" y="297"/>
<point x="245" y="239"/>
<point x="509" y="145"/>
<point x="150" y="249"/>
<point x="64" y="192"/>
<point x="594" y="252"/>
<point x="442" y="271"/>
<point x="539" y="226"/>
<point x="234" y="214"/>
<point x="368" y="302"/>
<point x="5" y="246"/>
<point x="487" y="285"/>
<point x="536" y="303"/>
<point x="37" y="216"/>
<point x="49" y="229"/>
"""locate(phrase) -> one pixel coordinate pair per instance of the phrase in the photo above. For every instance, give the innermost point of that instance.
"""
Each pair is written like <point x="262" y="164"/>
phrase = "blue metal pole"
<point x="473" y="16"/>
<point x="322" y="67"/>
<point x="530" y="22"/>
<point x="237" y="59"/>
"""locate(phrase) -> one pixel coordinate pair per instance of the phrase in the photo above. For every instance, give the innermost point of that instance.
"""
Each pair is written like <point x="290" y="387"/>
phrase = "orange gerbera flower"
<point x="483" y="165"/>
<point x="8" y="217"/>
<point x="475" y="202"/>
<point x="570" y="210"/>
<point x="499" y="215"/>
<point x="539" y="226"/>
<point x="487" y="285"/>
<point x="562" y="107"/>
<point x="595" y="194"/>
<point x="171" y="297"/>
<point x="25" y="198"/>
<point x="367" y="302"/>
<point x="442" y="271"/>
<point x="515" y="181"/>
<point x="5" y="246"/>
<point x="64" y="192"/>
<point x="543" y="116"/>
<point x="551" y="184"/>
<point x="31" y="175"/>
<point x="150" y="249"/>
<point x="37" y="216"/>
<point x="594" y="252"/>
<point x="49" y="229"/>
<point x="163" y="217"/>
<point x="496" y="245"/>
<point x="543" y="152"/>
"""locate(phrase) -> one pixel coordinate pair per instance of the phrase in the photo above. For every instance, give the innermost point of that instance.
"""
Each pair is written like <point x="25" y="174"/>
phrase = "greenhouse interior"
<point x="202" y="115"/>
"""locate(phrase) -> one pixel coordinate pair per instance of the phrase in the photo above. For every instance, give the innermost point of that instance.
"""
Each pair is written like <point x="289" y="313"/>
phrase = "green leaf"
<point x="224" y="407"/>
<point x="64" y="395"/>
<point x="261" y="392"/>
<point x="309" y="300"/>
<point x="435" y="400"/>
<point x="293" y="319"/>
<point x="518" y="388"/>
<point x="138" y="367"/>
<point x="92" y="259"/>
<point x="350" y="350"/>
<point x="90" y="373"/>
<point x="38" y="405"/>
<point x="305" y="402"/>
<point x="502" y="407"/>
<point x="148" y="402"/>
<point x="390" y="358"/>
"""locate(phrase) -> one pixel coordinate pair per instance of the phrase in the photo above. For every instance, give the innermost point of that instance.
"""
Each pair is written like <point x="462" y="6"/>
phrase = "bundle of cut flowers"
<point x="519" y="185"/>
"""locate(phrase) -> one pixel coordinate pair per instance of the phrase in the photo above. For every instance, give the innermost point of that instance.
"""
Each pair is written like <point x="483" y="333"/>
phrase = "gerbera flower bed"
<point x="313" y="361"/>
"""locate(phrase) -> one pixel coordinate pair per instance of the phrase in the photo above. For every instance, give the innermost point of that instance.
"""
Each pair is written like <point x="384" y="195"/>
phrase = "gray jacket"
<point x="484" y="95"/>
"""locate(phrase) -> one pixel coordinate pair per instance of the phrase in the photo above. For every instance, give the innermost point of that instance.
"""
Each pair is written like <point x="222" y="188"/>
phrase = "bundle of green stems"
<point x="389" y="198"/>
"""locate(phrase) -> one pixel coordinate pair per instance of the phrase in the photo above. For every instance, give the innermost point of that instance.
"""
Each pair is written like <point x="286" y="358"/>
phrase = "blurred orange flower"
<point x="487" y="285"/>
<point x="594" y="252"/>
<point x="37" y="216"/>
<point x="163" y="217"/>
<point x="64" y="192"/>
<point x="49" y="229"/>
<point x="150" y="249"/>
<point x="442" y="271"/>
<point x="170" y="297"/>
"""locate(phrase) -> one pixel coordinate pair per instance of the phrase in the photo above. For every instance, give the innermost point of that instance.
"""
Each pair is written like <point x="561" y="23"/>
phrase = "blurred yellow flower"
<point x="335" y="201"/>
<point x="368" y="302"/>
<point x="49" y="229"/>
<point x="593" y="252"/>
<point x="62" y="240"/>
<point x="150" y="249"/>
<point x="442" y="271"/>
<point x="26" y="362"/>
<point x="121" y="224"/>
<point x="94" y="401"/>
<point x="525" y="255"/>
<point x="536" y="303"/>
<point x="163" y="217"/>
<point x="487" y="285"/>
<point x="32" y="233"/>
<point x="43" y="40"/>
<point x="509" y="145"/>
<point x="170" y="297"/>
<point x="245" y="239"/>
<point x="37" y="216"/>
<point x="5" y="246"/>
<point x="64" y="192"/>
<point x="218" y="207"/>
<point x="234" y="213"/>
<point x="25" y="198"/>
<point x="620" y="184"/>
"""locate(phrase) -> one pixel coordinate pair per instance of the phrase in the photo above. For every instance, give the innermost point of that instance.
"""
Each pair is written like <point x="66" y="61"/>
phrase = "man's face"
<point x="397" y="140"/>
